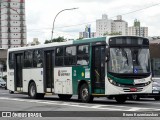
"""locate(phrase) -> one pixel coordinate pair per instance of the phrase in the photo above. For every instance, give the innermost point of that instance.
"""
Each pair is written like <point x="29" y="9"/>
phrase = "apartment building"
<point x="109" y="26"/>
<point x="12" y="24"/>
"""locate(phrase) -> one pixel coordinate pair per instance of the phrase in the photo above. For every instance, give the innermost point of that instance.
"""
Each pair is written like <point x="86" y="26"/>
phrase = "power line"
<point x="114" y="16"/>
<point x="139" y="9"/>
<point x="110" y="17"/>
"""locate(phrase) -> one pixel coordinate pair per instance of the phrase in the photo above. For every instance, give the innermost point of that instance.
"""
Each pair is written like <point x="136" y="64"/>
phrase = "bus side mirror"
<point x="107" y="54"/>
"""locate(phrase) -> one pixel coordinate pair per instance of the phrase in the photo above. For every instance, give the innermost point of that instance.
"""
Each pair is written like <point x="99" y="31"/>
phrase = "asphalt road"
<point x="19" y="102"/>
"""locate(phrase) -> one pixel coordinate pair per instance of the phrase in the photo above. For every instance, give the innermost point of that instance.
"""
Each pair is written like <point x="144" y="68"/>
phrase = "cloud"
<point x="40" y="15"/>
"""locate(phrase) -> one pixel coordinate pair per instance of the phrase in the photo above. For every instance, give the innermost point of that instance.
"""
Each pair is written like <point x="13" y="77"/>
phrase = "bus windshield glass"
<point x="129" y="60"/>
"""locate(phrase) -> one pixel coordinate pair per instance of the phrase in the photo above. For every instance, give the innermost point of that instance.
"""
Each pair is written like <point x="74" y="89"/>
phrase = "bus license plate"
<point x="138" y="81"/>
<point x="155" y="91"/>
<point x="133" y="89"/>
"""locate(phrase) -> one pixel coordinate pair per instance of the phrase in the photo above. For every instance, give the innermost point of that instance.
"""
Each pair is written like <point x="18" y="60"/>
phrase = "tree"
<point x="79" y="38"/>
<point x="37" y="42"/>
<point x="59" y="39"/>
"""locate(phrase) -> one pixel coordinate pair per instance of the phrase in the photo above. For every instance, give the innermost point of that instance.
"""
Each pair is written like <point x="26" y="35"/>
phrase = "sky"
<point x="40" y="15"/>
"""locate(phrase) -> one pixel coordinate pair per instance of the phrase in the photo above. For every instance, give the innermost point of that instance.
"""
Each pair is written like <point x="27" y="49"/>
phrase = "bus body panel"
<point x="116" y="90"/>
<point x="63" y="80"/>
<point x="35" y="74"/>
<point x="80" y="73"/>
<point x="66" y="79"/>
<point x="10" y="80"/>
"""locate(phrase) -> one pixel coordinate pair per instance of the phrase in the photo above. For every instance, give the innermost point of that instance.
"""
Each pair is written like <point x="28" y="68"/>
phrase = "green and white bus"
<point x="116" y="66"/>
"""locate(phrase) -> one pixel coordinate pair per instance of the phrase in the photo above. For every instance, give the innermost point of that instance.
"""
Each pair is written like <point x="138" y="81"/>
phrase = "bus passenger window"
<point x="28" y="57"/>
<point x="59" y="51"/>
<point x="70" y="55"/>
<point x="37" y="60"/>
<point x="59" y="61"/>
<point x="11" y="60"/>
<point x="59" y="56"/>
<point x="82" y="60"/>
<point x="83" y="55"/>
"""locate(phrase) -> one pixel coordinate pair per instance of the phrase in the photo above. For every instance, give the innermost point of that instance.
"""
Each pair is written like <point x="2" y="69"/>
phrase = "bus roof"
<point x="80" y="41"/>
<point x="87" y="40"/>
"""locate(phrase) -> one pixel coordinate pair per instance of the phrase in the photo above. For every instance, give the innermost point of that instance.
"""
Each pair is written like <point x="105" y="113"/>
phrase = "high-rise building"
<point x="137" y="30"/>
<point x="120" y="26"/>
<point x="103" y="25"/>
<point x="108" y="26"/>
<point x="87" y="33"/>
<point x="12" y="24"/>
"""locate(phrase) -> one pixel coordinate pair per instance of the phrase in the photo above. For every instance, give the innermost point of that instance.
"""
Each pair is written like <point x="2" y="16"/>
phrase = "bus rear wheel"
<point x="32" y="90"/>
<point x="11" y="92"/>
<point x="120" y="99"/>
<point x="64" y="97"/>
<point x="84" y="94"/>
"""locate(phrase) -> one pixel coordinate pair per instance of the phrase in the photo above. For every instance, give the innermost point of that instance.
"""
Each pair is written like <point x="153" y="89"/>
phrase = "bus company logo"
<point x="6" y="114"/>
<point x="63" y="73"/>
<point x="59" y="73"/>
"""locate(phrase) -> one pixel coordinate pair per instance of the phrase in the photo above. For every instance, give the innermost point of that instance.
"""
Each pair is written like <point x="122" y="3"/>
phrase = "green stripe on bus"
<point x="121" y="80"/>
<point x="89" y="40"/>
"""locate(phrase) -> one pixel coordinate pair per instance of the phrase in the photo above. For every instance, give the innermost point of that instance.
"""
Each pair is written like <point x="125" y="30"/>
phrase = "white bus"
<point x="116" y="66"/>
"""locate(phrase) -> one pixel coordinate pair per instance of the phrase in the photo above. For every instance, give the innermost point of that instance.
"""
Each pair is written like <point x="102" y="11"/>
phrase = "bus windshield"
<point x="129" y="60"/>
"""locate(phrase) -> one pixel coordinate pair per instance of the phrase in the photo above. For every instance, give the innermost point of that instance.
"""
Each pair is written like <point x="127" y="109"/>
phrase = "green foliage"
<point x="59" y="39"/>
<point x="80" y="38"/>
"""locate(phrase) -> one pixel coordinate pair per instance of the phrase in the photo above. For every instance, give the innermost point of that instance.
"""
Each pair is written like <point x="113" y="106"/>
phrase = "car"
<point x="3" y="83"/>
<point x="155" y="91"/>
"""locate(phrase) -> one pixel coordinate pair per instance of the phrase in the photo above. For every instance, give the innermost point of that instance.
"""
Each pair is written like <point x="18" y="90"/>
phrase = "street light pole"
<point x="56" y="17"/>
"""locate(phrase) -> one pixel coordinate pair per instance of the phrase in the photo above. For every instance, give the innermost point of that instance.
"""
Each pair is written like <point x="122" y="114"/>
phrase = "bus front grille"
<point x="129" y="90"/>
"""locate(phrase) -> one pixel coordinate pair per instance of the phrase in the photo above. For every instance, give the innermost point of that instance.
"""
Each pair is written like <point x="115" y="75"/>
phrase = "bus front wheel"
<point x="120" y="99"/>
<point x="84" y="94"/>
<point x="11" y="92"/>
<point x="32" y="90"/>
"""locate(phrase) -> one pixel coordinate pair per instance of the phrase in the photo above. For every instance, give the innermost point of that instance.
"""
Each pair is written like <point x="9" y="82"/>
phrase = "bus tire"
<point x="32" y="90"/>
<point x="84" y="94"/>
<point x="11" y="92"/>
<point x="64" y="97"/>
<point x="120" y="99"/>
<point x="157" y="98"/>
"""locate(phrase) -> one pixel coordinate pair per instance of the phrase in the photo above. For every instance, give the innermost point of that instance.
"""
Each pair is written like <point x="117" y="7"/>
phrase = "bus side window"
<point x="11" y="60"/>
<point x="37" y="58"/>
<point x="28" y="59"/>
<point x="59" y="56"/>
<point x="83" y="55"/>
<point x="70" y="55"/>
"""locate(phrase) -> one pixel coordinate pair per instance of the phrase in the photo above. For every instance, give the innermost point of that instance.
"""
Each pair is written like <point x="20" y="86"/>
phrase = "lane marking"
<point x="83" y="105"/>
<point x="54" y="103"/>
<point x="151" y="102"/>
<point x="3" y="93"/>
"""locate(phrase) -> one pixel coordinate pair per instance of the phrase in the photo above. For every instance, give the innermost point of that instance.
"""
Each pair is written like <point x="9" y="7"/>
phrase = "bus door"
<point x="98" y="67"/>
<point x="49" y="70"/>
<point x="18" y="72"/>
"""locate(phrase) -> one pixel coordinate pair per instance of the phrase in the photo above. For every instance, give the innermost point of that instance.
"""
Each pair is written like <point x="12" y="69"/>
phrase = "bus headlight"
<point x="147" y="83"/>
<point x="113" y="82"/>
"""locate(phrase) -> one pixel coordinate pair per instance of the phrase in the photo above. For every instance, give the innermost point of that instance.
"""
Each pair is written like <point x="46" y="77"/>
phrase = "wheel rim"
<point x="33" y="90"/>
<point x="85" y="93"/>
